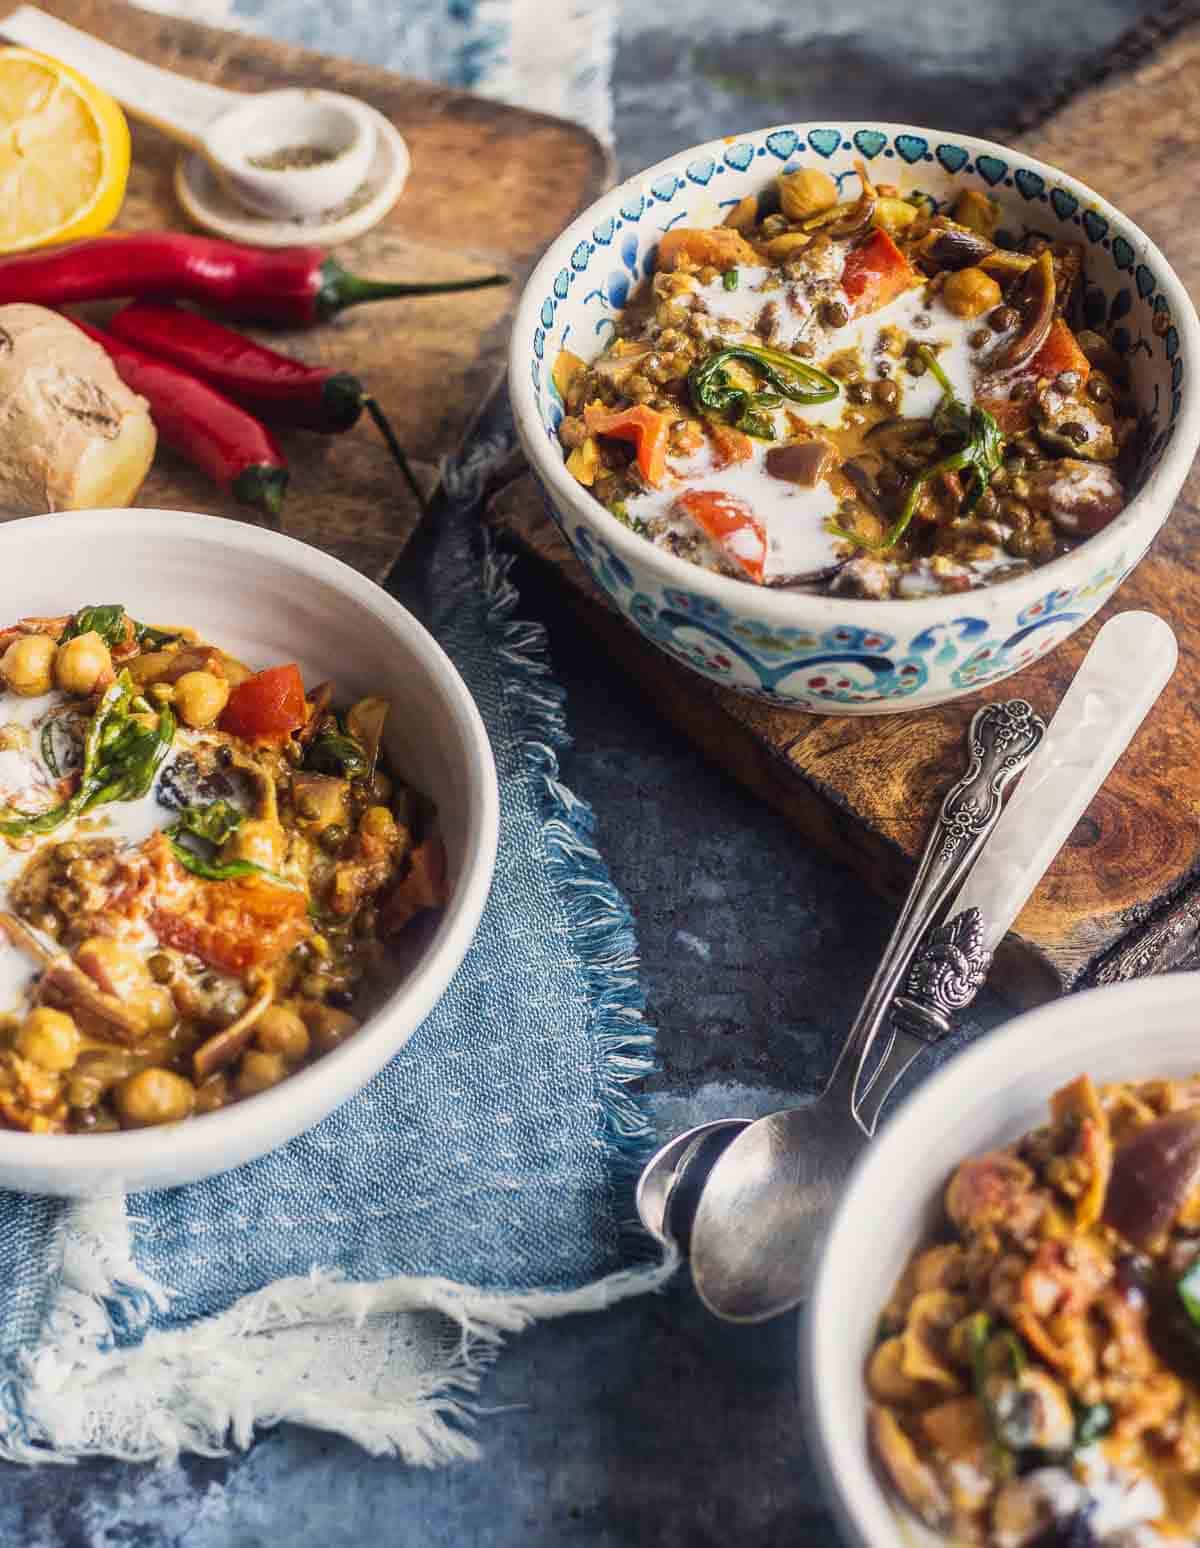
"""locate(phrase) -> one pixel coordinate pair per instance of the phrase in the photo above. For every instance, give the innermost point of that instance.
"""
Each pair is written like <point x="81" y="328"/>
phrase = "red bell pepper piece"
<point x="268" y="706"/>
<point x="875" y="272"/>
<point x="1060" y="352"/>
<point x="649" y="431"/>
<point x="731" y="524"/>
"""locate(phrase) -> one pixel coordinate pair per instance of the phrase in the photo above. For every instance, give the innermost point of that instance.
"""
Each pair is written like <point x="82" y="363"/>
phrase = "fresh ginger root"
<point x="72" y="435"/>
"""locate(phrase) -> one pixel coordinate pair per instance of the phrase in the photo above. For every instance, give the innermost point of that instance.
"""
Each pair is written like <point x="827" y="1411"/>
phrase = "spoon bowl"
<point x="693" y="1153"/>
<point x="328" y="137"/>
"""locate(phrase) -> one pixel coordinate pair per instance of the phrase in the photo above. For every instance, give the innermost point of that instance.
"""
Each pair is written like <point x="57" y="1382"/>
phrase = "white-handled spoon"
<point x="288" y="154"/>
<point x="763" y="1210"/>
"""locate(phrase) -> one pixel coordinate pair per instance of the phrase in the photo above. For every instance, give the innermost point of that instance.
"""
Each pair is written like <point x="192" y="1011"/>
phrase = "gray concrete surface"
<point x="651" y="1425"/>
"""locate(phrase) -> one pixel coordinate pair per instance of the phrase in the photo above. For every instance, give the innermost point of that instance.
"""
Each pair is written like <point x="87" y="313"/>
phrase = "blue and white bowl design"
<point x="828" y="654"/>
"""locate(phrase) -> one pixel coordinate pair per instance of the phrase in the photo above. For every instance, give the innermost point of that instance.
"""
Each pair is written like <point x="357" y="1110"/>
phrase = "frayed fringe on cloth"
<point x="392" y="1365"/>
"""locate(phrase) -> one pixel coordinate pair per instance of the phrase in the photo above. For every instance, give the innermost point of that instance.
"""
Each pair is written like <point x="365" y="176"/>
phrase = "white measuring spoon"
<point x="232" y="130"/>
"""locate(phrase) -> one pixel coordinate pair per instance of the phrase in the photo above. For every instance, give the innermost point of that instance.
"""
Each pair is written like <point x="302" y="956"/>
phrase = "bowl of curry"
<point x="247" y="823"/>
<point x="785" y="375"/>
<point x="1014" y="1362"/>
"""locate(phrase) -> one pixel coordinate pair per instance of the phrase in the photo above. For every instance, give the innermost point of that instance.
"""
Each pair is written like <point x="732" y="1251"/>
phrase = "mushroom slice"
<point x="224" y="1046"/>
<point x="914" y="1480"/>
<point x="948" y="245"/>
<point x="848" y="220"/>
<point x="930" y="1317"/>
<point x="1034" y="301"/>
<point x="365" y="722"/>
<point x="801" y="462"/>
<point x="1152" y="1174"/>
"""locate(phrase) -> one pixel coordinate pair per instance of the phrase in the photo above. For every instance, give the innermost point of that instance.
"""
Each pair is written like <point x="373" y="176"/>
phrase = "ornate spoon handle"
<point x="1000" y="741"/>
<point x="1129" y="664"/>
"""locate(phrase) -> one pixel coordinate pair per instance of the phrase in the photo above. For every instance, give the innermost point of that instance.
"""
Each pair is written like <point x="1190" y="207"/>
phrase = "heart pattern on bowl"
<point x="986" y="638"/>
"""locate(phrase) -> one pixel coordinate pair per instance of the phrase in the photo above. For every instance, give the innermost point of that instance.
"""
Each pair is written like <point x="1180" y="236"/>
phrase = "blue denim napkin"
<point x="495" y="1153"/>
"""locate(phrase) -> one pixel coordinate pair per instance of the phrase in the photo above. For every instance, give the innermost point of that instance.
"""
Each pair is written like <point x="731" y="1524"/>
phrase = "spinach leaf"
<point x="1188" y="1290"/>
<point x="979" y="456"/>
<point x="121" y="756"/>
<point x="1092" y="1420"/>
<point x="154" y="638"/>
<point x="107" y="621"/>
<point x="981" y="1336"/>
<point x="212" y="825"/>
<point x="112" y="623"/>
<point x="333" y="752"/>
<point x="220" y="870"/>
<point x="786" y="376"/>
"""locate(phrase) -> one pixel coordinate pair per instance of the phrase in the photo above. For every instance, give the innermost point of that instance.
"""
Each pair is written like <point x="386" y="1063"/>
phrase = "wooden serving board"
<point x="491" y="185"/>
<point x="1123" y="899"/>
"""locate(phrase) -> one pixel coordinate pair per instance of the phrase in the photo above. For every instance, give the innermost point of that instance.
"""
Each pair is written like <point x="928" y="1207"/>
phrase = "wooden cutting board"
<point x="491" y="185"/>
<point x="1123" y="899"/>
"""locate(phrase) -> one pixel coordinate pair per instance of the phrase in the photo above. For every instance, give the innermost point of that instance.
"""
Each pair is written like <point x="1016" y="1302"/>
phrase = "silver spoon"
<point x="763" y="1208"/>
<point x="1000" y="739"/>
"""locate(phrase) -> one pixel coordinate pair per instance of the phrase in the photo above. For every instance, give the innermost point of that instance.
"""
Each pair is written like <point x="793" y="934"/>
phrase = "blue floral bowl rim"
<point x="1131" y="534"/>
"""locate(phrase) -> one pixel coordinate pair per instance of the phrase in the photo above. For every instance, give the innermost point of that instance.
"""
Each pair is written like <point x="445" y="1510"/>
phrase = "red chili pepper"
<point x="273" y="386"/>
<point x="212" y="433"/>
<point x="292" y="286"/>
<point x="268" y="706"/>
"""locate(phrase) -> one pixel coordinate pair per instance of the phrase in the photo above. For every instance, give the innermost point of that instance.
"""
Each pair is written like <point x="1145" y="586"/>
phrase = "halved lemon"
<point x="64" y="153"/>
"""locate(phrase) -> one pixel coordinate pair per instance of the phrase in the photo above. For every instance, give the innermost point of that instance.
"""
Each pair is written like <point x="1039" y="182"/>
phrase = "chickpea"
<point x="970" y="292"/>
<point x="159" y="1008"/>
<point x="212" y="1095"/>
<point x="281" y="1031"/>
<point x="806" y="192"/>
<point x="96" y="1072"/>
<point x="49" y="1038"/>
<point x="895" y="214"/>
<point x="976" y="210"/>
<point x="154" y="1096"/>
<point x="261" y="841"/>
<point x="259" y="1072"/>
<point x="379" y="826"/>
<point x="329" y="1027"/>
<point x="83" y="664"/>
<point x="200" y="697"/>
<point x="28" y="664"/>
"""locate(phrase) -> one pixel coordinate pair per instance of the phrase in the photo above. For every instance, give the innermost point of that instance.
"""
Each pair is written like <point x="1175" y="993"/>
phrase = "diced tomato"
<point x="649" y="431"/>
<point x="239" y="926"/>
<point x="731" y="524"/>
<point x="875" y="272"/>
<point x="268" y="706"/>
<point x="422" y="887"/>
<point x="1060" y="352"/>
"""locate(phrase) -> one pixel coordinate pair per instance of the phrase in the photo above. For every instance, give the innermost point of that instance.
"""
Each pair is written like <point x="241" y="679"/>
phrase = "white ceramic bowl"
<point x="268" y="599"/>
<point x="827" y="653"/>
<point x="985" y="1097"/>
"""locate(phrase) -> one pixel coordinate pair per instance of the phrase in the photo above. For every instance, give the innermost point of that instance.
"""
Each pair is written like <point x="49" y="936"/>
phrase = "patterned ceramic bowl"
<point x="829" y="654"/>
